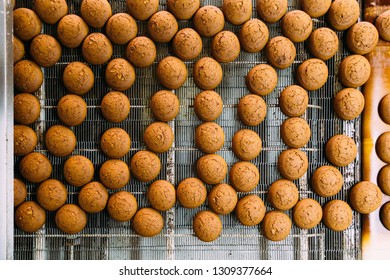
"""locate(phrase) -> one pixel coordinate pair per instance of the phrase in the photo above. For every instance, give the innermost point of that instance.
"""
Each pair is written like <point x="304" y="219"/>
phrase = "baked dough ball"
<point x="115" y="106"/>
<point x="78" y="78"/>
<point x="208" y="105"/>
<point x="244" y="176"/>
<point x="207" y="73"/>
<point x="28" y="76"/>
<point x="145" y="166"/>
<point x="292" y="164"/>
<point x="365" y="197"/>
<point x="95" y="12"/>
<point x="72" y="30"/>
<point x="122" y="206"/>
<point x="252" y="109"/>
<point x="115" y="142"/>
<point x="312" y="74"/>
<point x="348" y="103"/>
<point x="283" y="194"/>
<point x="250" y="210"/>
<point x="237" y="12"/>
<point x="191" y="193"/>
<point x="382" y="146"/>
<point x="209" y="137"/>
<point x="384" y="108"/>
<point x="72" y="110"/>
<point x="60" y="141"/>
<point x="261" y="79"/>
<point x="293" y="101"/>
<point x="141" y="52"/>
<point x="253" y="36"/>
<point x="78" y="170"/>
<point x="161" y="195"/>
<point x="183" y="9"/>
<point x="327" y="181"/>
<point x="158" y="137"/>
<point x="35" y="167"/>
<point x="208" y="21"/>
<point x="295" y="132"/>
<point x="362" y="37"/>
<point x="271" y="10"/>
<point x="323" y="43"/>
<point x="207" y="226"/>
<point x="384" y="215"/>
<point x="162" y="27"/>
<point x="276" y="225"/>
<point x="307" y="213"/>
<point x="25" y="140"/>
<point x="340" y="150"/>
<point x="343" y="14"/>
<point x="171" y="72"/>
<point x="50" y="11"/>
<point x="51" y="194"/>
<point x="121" y="28"/>
<point x="114" y="174"/>
<point x="148" y="222"/>
<point x="211" y="169"/>
<point x="142" y="10"/>
<point x="382" y="24"/>
<point x="280" y="52"/>
<point x="337" y="215"/>
<point x="27" y="24"/>
<point x="165" y="105"/>
<point x="222" y="199"/>
<point x="296" y="25"/>
<point x="20" y="192"/>
<point x="19" y="50"/>
<point x="187" y="44"/>
<point x="93" y="197"/>
<point x="315" y="8"/>
<point x="71" y="219"/>
<point x="96" y="48"/>
<point x="120" y="74"/>
<point x="383" y="179"/>
<point x="246" y="144"/>
<point x="29" y="216"/>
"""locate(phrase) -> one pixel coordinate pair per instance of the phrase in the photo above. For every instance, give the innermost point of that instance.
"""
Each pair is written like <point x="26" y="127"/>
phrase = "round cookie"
<point x="119" y="74"/>
<point x="271" y="10"/>
<point x="384" y="215"/>
<point x="296" y="25"/>
<point x="20" y="192"/>
<point x="115" y="106"/>
<point x="60" y="141"/>
<point x="327" y="181"/>
<point x="72" y="110"/>
<point x="208" y="105"/>
<point x="148" y="222"/>
<point x="191" y="193"/>
<point x="25" y="140"/>
<point x="207" y="73"/>
<point x="165" y="105"/>
<point x="78" y="170"/>
<point x="93" y="197"/>
<point x="187" y="44"/>
<point x="276" y="225"/>
<point x="307" y="213"/>
<point x="35" y="167"/>
<point x="246" y="144"/>
<point x="337" y="215"/>
<point x="292" y="164"/>
<point x="29" y="216"/>
<point x="122" y="206"/>
<point x="142" y="10"/>
<point x="121" y="28"/>
<point x="382" y="24"/>
<point x="183" y="9"/>
<point x="70" y="219"/>
<point x="237" y="12"/>
<point x="158" y="137"/>
<point x="348" y="103"/>
<point x="295" y="132"/>
<point x="50" y="11"/>
<point x="323" y="43"/>
<point x="45" y="50"/>
<point x="72" y="30"/>
<point x="315" y="8"/>
<point x="244" y="176"/>
<point x="280" y="52"/>
<point x="19" y="50"/>
<point x="211" y="169"/>
<point x="340" y="150"/>
<point x="145" y="166"/>
<point x="207" y="226"/>
<point x="28" y="76"/>
<point x="383" y="179"/>
<point x="283" y="194"/>
<point x="384" y="108"/>
<point x="252" y="109"/>
<point x="382" y="147"/>
<point x="26" y="24"/>
<point x="162" y="27"/>
<point x="222" y="199"/>
<point x="362" y="37"/>
<point x="114" y="174"/>
<point x="115" y="142"/>
<point x="208" y="20"/>
<point x="161" y="195"/>
<point x="293" y="101"/>
<point x="365" y="197"/>
<point x="250" y="210"/>
<point x="141" y="52"/>
<point x="51" y="194"/>
<point x="253" y="36"/>
<point x="96" y="48"/>
<point x="209" y="137"/>
<point x="78" y="78"/>
<point x="261" y="79"/>
<point x="171" y="72"/>
<point x="312" y="74"/>
<point x="342" y="14"/>
<point x="95" y="12"/>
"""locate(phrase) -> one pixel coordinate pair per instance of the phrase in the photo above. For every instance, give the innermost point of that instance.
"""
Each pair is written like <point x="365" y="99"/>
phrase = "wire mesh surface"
<point x="104" y="238"/>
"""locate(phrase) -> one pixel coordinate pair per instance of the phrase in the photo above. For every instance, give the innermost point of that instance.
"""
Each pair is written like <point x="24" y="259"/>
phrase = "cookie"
<point x="209" y="137"/>
<point x="250" y="210"/>
<point x="246" y="144"/>
<point x="323" y="43"/>
<point x="20" y="192"/>
<point x="340" y="150"/>
<point x="161" y="195"/>
<point x="145" y="166"/>
<point x="207" y="73"/>
<point x="342" y="14"/>
<point x="115" y="142"/>
<point x="252" y="109"/>
<point x="72" y="30"/>
<point x="327" y="181"/>
<point x="222" y="199"/>
<point x="244" y="176"/>
<point x="141" y="52"/>
<point x="147" y="222"/>
<point x="28" y="76"/>
<point x="384" y="108"/>
<point x="208" y="105"/>
<point x="296" y="25"/>
<point x="171" y="72"/>
<point x="348" y="103"/>
<point x="162" y="27"/>
<point x="60" y="141"/>
<point x="208" y="20"/>
<point x="78" y="78"/>
<point x="280" y="52"/>
<point x="261" y="79"/>
<point x="51" y="194"/>
<point x="121" y="28"/>
<point x="211" y="169"/>
<point x="18" y="48"/>
<point x="114" y="174"/>
<point x="26" y="24"/>
<point x="115" y="106"/>
<point x="142" y="10"/>
<point x="191" y="193"/>
<point x="50" y="11"/>
<point x="237" y="12"/>
<point x="362" y="37"/>
<point x="253" y="35"/>
<point x="158" y="137"/>
<point x="295" y="132"/>
<point x="183" y="9"/>
<point x="365" y="197"/>
<point x="384" y="215"/>
<point x="283" y="194"/>
<point x="315" y="8"/>
<point x="122" y="206"/>
<point x="292" y="163"/>
<point x="207" y="226"/>
<point x="276" y="225"/>
<point x="383" y="179"/>
<point x="187" y="44"/>
<point x="72" y="110"/>
<point x="271" y="11"/>
<point x="382" y="24"/>
<point x="95" y="12"/>
<point x="293" y="101"/>
<point x="35" y="167"/>
<point x="29" y="216"/>
<point x="312" y="74"/>
<point x="337" y="215"/>
<point x="382" y="147"/>
<point x="25" y="140"/>
<point x="93" y="197"/>
<point x="96" y="49"/>
<point x="307" y="213"/>
<point x="225" y="46"/>
<point x="70" y="219"/>
<point x="45" y="50"/>
<point x="119" y="74"/>
<point x="78" y="170"/>
<point x="165" y="105"/>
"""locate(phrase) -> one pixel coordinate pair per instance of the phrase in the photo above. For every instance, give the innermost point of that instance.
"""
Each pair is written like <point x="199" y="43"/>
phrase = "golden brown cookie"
<point x="25" y="140"/>
<point x="209" y="137"/>
<point x="244" y="176"/>
<point x="45" y="50"/>
<point x="78" y="170"/>
<point x="384" y="108"/>
<point x="276" y="225"/>
<point x="340" y="150"/>
<point x="253" y="36"/>
<point x="122" y="206"/>
<point x="207" y="226"/>
<point x="121" y="28"/>
<point x="348" y="103"/>
<point x="292" y="164"/>
<point x="225" y="46"/>
<point x="208" y="20"/>
<point x="78" y="78"/>
<point x="171" y="72"/>
<point x="261" y="79"/>
<point x="362" y="37"/>
<point x="296" y="25"/>
<point x="158" y="137"/>
<point x="293" y="101"/>
<point x="354" y="71"/>
<point x="307" y="213"/>
<point x="382" y="147"/>
<point x="72" y="30"/>
<point x="207" y="73"/>
<point x="26" y="24"/>
<point x="270" y="10"/>
<point x="72" y="110"/>
<point x="384" y="215"/>
<point x="28" y="76"/>
<point x="71" y="219"/>
<point x="162" y="27"/>
<point x="119" y="74"/>
<point x="96" y="48"/>
<point x="50" y="11"/>
<point x="208" y="105"/>
<point x="165" y="105"/>
<point x="29" y="216"/>
<point x="142" y="10"/>
<point x="342" y="14"/>
<point x="114" y="174"/>
<point x="18" y="48"/>
<point x="183" y="9"/>
<point x="51" y="194"/>
<point x="280" y="52"/>
<point x="35" y="167"/>
<point x="383" y="179"/>
<point x="237" y="12"/>
<point x="327" y="181"/>
<point x="145" y="166"/>
<point x="315" y="8"/>
<point x="250" y="210"/>
<point x="115" y="142"/>
<point x="161" y="195"/>
<point x="20" y="192"/>
<point x="246" y="144"/>
<point x="312" y="74"/>
<point x="191" y="193"/>
<point x="95" y="12"/>
<point x="222" y="199"/>
<point x="115" y="106"/>
<point x="141" y="52"/>
<point x="187" y="44"/>
<point x="148" y="222"/>
<point x="337" y="215"/>
<point x="93" y="197"/>
<point x="323" y="43"/>
<point x="365" y="197"/>
<point x="382" y="24"/>
<point x="295" y="132"/>
<point x="60" y="141"/>
<point x="211" y="169"/>
<point x="283" y="194"/>
<point x="252" y="109"/>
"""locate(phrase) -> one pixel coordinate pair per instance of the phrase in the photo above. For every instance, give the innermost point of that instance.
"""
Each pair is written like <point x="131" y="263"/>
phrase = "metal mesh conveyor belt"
<point x="105" y="238"/>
